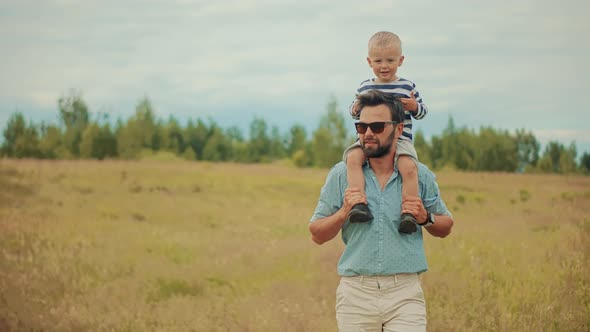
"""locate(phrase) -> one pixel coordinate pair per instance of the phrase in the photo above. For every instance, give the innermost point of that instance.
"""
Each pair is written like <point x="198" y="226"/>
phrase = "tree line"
<point x="78" y="135"/>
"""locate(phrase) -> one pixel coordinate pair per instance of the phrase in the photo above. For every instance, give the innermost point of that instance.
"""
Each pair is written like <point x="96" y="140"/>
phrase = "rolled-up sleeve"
<point x="331" y="193"/>
<point x="430" y="193"/>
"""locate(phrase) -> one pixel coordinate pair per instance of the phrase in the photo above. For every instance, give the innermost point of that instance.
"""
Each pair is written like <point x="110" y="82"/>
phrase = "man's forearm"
<point x="441" y="227"/>
<point x="325" y="229"/>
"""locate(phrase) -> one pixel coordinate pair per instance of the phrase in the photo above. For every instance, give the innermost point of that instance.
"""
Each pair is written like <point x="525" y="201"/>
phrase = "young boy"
<point x="385" y="57"/>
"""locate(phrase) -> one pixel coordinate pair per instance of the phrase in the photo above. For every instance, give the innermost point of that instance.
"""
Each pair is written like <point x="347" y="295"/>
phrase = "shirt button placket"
<point x="381" y="231"/>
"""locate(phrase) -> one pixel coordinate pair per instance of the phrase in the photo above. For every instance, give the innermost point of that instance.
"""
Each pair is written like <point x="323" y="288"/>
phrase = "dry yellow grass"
<point x="181" y="246"/>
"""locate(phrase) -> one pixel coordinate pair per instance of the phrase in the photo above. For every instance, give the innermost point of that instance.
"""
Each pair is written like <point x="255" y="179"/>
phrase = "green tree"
<point x="259" y="145"/>
<point x="240" y="152"/>
<point x="75" y="117"/>
<point x="545" y="165"/>
<point x="129" y="140"/>
<point x="450" y="144"/>
<point x="98" y="142"/>
<point x="550" y="160"/>
<point x="174" y="133"/>
<point x="527" y="149"/>
<point x="464" y="152"/>
<point x="496" y="151"/>
<point x="330" y="139"/>
<point x="323" y="152"/>
<point x="146" y="120"/>
<point x="558" y="159"/>
<point x="14" y="131"/>
<point x="444" y="150"/>
<point x="50" y="142"/>
<point x="302" y="157"/>
<point x="89" y="141"/>
<point x="196" y="137"/>
<point x="29" y="145"/>
<point x="585" y="162"/>
<point x="218" y="147"/>
<point x="159" y="139"/>
<point x="235" y="134"/>
<point x="20" y="140"/>
<point x="277" y="144"/>
<point x="422" y="148"/>
<point x="189" y="154"/>
<point x="436" y="153"/>
<point x="567" y="160"/>
<point x="297" y="139"/>
<point x="239" y="145"/>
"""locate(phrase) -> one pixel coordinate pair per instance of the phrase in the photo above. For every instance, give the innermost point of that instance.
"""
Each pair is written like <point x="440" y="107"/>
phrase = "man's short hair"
<point x="376" y="98"/>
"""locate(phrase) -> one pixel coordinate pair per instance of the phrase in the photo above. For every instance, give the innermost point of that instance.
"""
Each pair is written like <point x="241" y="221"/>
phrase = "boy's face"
<point x="385" y="61"/>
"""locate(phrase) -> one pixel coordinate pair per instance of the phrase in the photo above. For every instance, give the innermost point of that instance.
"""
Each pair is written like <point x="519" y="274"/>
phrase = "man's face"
<point x="377" y="145"/>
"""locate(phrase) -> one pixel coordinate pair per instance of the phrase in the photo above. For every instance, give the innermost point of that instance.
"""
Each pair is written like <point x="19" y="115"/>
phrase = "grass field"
<point x="185" y="246"/>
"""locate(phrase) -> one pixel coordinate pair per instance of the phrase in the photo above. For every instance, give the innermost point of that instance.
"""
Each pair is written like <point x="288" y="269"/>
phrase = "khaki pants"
<point x="381" y="303"/>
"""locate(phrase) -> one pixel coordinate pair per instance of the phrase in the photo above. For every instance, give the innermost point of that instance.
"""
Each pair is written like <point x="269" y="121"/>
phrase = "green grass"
<point x="170" y="245"/>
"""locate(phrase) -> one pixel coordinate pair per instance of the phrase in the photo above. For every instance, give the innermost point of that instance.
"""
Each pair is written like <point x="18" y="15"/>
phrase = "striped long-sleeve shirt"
<point x="401" y="88"/>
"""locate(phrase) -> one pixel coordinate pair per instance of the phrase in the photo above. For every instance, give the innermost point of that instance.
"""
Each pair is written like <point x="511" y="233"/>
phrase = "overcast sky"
<point x="505" y="64"/>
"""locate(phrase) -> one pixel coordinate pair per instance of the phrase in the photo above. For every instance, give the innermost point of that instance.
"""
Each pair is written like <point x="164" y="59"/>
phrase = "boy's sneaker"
<point x="407" y="224"/>
<point x="360" y="213"/>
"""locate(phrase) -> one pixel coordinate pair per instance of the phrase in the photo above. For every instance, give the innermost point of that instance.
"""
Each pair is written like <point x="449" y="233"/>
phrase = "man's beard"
<point x="381" y="150"/>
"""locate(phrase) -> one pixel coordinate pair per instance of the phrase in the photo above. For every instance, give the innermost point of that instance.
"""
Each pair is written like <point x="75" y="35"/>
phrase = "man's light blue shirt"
<point x="376" y="247"/>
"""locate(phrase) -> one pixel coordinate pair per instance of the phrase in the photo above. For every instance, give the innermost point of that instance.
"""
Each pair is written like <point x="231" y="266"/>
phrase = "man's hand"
<point x="442" y="226"/>
<point x="410" y="104"/>
<point x="353" y="196"/>
<point x="325" y="229"/>
<point x="413" y="205"/>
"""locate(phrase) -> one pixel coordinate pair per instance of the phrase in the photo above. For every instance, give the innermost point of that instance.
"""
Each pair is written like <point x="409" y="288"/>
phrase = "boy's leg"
<point x="407" y="165"/>
<point x="355" y="158"/>
<point x="409" y="172"/>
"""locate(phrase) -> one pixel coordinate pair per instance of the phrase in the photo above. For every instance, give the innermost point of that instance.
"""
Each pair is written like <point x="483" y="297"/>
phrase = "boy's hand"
<point x="410" y="104"/>
<point x="354" y="109"/>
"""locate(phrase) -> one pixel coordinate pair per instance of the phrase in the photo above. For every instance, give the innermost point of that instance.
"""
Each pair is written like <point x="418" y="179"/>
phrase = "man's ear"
<point x="400" y="129"/>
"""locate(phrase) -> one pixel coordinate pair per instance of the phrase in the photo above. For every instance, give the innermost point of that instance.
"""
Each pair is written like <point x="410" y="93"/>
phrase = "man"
<point x="380" y="289"/>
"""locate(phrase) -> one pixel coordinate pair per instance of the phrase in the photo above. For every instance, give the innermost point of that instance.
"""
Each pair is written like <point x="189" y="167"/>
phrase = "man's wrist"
<point x="429" y="220"/>
<point x="425" y="220"/>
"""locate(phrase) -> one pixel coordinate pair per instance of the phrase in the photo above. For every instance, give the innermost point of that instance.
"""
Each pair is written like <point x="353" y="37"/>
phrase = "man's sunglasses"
<point x="376" y="127"/>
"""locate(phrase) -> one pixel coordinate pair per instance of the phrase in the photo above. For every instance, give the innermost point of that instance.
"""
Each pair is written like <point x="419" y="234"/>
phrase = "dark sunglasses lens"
<point x="377" y="127"/>
<point x="361" y="128"/>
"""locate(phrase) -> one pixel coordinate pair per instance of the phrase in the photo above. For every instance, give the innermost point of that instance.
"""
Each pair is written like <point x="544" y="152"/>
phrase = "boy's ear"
<point x="369" y="61"/>
<point x="401" y="60"/>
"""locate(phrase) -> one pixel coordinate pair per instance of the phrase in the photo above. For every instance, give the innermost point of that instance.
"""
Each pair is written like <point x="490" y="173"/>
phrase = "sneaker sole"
<point x="358" y="217"/>
<point x="407" y="227"/>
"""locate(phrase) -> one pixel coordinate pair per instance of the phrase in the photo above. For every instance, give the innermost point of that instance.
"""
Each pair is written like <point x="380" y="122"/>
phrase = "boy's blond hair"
<point x="383" y="39"/>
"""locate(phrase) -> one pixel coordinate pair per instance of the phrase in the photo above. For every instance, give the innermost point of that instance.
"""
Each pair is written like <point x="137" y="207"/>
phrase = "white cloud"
<point x="563" y="135"/>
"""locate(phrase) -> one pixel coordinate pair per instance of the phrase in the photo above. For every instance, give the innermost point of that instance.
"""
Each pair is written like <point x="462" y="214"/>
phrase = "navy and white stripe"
<point x="401" y="88"/>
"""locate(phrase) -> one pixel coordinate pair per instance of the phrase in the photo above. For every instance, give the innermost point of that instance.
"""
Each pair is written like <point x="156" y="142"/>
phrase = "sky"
<point x="505" y="64"/>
